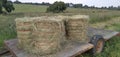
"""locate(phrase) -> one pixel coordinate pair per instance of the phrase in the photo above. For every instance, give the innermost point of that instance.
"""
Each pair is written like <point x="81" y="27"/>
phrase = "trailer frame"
<point x="76" y="49"/>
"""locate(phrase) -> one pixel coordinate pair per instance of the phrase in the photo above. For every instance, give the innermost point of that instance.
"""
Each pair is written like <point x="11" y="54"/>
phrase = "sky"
<point x="97" y="3"/>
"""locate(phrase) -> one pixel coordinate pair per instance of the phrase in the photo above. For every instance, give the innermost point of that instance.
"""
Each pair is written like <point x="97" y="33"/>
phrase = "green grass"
<point x="96" y="15"/>
<point x="7" y="24"/>
<point x="7" y="27"/>
<point x="114" y="27"/>
<point x="29" y="8"/>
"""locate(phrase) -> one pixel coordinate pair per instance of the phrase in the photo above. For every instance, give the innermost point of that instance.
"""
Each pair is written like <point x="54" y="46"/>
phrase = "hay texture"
<point x="76" y="28"/>
<point x="40" y="35"/>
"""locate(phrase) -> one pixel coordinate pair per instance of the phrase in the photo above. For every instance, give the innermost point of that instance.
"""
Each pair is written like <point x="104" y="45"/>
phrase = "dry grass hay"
<point x="76" y="28"/>
<point x="40" y="35"/>
<point x="46" y="35"/>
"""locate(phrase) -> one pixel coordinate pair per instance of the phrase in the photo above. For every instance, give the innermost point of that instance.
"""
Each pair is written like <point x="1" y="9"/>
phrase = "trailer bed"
<point x="75" y="49"/>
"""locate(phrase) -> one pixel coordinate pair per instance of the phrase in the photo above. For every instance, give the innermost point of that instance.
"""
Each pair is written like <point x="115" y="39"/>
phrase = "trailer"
<point x="97" y="38"/>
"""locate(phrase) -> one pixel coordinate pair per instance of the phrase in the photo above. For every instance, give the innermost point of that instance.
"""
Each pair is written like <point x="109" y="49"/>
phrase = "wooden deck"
<point x="74" y="50"/>
<point x="107" y="34"/>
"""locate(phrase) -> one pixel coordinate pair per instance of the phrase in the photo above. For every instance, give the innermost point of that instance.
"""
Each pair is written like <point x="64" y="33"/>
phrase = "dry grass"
<point x="76" y="28"/>
<point x="40" y="35"/>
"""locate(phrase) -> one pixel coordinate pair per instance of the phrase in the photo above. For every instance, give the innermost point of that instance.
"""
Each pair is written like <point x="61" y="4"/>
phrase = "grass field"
<point x="7" y="24"/>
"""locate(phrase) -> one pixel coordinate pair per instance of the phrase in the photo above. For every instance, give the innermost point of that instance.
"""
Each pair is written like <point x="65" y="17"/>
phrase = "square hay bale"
<point x="40" y="35"/>
<point x="76" y="28"/>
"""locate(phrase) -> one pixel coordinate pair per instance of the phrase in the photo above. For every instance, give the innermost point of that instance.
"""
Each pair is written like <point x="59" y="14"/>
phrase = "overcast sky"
<point x="97" y="3"/>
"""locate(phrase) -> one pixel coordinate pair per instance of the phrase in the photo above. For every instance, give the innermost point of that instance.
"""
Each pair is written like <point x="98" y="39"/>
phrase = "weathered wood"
<point x="76" y="49"/>
<point x="118" y="34"/>
<point x="107" y="34"/>
<point x="107" y="37"/>
<point x="6" y="56"/>
<point x="4" y="51"/>
<point x="10" y="46"/>
<point x="72" y="51"/>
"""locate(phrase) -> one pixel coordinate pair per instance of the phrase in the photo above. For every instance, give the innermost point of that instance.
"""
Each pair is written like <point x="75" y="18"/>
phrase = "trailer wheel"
<point x="98" y="42"/>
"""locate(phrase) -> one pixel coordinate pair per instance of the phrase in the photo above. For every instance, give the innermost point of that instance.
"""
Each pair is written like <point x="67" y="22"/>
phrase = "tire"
<point x="98" y="42"/>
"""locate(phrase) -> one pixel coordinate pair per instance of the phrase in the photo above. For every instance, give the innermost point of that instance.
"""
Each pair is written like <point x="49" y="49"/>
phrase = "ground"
<point x="97" y="16"/>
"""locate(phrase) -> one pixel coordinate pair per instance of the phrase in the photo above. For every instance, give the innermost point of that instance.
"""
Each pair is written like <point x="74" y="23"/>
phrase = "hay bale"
<point x="40" y="35"/>
<point x="76" y="28"/>
<point x="46" y="35"/>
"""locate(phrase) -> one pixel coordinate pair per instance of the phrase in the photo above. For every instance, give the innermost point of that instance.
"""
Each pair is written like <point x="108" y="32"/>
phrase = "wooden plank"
<point x="4" y="51"/>
<point x="69" y="51"/>
<point x="10" y="46"/>
<point x="76" y="49"/>
<point x="107" y="34"/>
<point x="6" y="56"/>
<point x="118" y="34"/>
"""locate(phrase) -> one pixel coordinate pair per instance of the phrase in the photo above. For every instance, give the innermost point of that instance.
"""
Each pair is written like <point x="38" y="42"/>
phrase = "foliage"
<point x="78" y="5"/>
<point x="8" y="5"/>
<point x="57" y="7"/>
<point x="0" y="7"/>
<point x="17" y="2"/>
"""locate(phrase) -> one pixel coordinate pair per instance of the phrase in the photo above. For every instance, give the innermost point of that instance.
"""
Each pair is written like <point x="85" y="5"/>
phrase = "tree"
<point x="86" y="6"/>
<point x="92" y="7"/>
<point x="0" y="6"/>
<point x="118" y="7"/>
<point x="111" y="7"/>
<point x="57" y="7"/>
<point x="17" y="2"/>
<point x="104" y="7"/>
<point x="78" y="6"/>
<point x="8" y="5"/>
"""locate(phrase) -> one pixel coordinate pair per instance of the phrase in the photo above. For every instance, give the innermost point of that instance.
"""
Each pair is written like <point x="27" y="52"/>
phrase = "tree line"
<point x="72" y="5"/>
<point x="43" y="3"/>
<point x="56" y="7"/>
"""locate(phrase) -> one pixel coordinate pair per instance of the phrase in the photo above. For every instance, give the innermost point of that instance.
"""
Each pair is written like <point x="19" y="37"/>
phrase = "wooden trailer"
<point x="76" y="49"/>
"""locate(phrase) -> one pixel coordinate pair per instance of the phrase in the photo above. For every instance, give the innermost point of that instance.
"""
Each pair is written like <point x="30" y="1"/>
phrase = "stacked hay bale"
<point x="24" y="29"/>
<point x="76" y="28"/>
<point x="46" y="35"/>
<point x="41" y="35"/>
